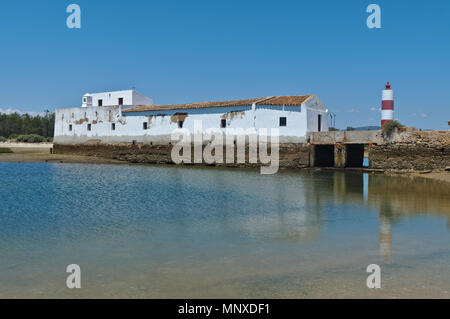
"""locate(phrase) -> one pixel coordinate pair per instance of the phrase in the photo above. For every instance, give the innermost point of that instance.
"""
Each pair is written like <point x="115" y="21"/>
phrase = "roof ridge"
<point x="265" y="99"/>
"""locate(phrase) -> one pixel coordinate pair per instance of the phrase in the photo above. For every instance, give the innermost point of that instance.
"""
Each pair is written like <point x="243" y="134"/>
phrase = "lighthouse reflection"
<point x="396" y="198"/>
<point x="322" y="200"/>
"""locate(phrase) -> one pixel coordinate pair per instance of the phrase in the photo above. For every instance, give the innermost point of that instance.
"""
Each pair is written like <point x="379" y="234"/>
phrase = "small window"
<point x="180" y="124"/>
<point x="223" y="123"/>
<point x="100" y="102"/>
<point x="145" y="125"/>
<point x="113" y="126"/>
<point x="283" y="121"/>
<point x="89" y="127"/>
<point x="70" y="127"/>
<point x="120" y="100"/>
<point x="84" y="99"/>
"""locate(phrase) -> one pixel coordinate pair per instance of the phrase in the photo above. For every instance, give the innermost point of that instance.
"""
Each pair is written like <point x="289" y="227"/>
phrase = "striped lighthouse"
<point x="387" y="105"/>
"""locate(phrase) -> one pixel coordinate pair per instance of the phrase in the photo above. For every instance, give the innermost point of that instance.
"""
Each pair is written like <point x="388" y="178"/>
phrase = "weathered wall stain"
<point x="149" y="121"/>
<point x="231" y="115"/>
<point x="81" y="121"/>
<point x="178" y="117"/>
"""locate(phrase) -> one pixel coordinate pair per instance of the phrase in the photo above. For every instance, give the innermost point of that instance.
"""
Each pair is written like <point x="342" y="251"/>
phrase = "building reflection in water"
<point x="395" y="197"/>
<point x="296" y="207"/>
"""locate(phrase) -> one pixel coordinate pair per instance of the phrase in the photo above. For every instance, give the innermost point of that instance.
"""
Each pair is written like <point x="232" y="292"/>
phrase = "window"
<point x="70" y="127"/>
<point x="144" y="125"/>
<point x="120" y="100"/>
<point x="180" y="124"/>
<point x="319" y="122"/>
<point x="100" y="102"/>
<point x="283" y="121"/>
<point x="223" y="123"/>
<point x="89" y="127"/>
<point x="113" y="126"/>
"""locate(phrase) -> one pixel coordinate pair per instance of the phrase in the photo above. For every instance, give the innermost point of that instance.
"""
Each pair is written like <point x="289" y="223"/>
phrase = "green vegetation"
<point x="5" y="150"/>
<point x="14" y="125"/>
<point x="31" y="138"/>
<point x="332" y="129"/>
<point x="2" y="139"/>
<point x="389" y="127"/>
<point x="349" y="128"/>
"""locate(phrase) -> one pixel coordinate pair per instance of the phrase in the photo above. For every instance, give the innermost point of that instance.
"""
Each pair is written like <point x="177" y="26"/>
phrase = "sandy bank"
<point x="440" y="175"/>
<point x="40" y="152"/>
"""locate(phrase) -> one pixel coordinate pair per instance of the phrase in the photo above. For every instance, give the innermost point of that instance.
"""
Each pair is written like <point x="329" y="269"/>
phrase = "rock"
<point x="447" y="168"/>
<point x="425" y="172"/>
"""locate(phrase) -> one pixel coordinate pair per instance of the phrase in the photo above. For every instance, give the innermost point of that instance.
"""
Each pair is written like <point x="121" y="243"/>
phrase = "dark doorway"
<point x="100" y="102"/>
<point x="355" y="155"/>
<point x="319" y="123"/>
<point x="324" y="155"/>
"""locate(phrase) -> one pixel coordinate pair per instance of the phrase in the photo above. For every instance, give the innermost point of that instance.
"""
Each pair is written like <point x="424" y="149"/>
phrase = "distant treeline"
<point x="24" y="124"/>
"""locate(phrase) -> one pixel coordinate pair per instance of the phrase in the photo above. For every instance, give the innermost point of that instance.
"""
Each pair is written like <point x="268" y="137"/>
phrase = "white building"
<point x="114" y="122"/>
<point x="126" y="97"/>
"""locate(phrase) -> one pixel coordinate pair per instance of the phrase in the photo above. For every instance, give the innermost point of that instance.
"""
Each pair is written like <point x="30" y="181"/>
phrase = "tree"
<point x="25" y="124"/>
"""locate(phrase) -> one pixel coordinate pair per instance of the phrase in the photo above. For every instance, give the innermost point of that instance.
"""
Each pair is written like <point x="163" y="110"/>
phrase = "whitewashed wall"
<point x="130" y="97"/>
<point x="161" y="124"/>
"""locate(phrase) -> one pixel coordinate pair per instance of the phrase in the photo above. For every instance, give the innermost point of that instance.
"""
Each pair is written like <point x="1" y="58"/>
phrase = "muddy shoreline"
<point x="40" y="153"/>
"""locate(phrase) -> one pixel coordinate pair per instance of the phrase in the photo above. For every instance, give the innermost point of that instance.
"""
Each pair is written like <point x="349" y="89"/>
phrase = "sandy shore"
<point x="440" y="175"/>
<point x="40" y="152"/>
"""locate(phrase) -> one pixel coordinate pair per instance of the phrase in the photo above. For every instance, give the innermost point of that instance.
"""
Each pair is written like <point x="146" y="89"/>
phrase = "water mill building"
<point x="128" y="116"/>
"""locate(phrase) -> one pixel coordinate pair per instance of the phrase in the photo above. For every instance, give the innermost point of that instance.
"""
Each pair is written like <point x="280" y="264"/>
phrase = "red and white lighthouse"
<point x="387" y="105"/>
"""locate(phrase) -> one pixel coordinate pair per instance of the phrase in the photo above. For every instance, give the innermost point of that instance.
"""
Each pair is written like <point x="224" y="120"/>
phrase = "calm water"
<point x="146" y="231"/>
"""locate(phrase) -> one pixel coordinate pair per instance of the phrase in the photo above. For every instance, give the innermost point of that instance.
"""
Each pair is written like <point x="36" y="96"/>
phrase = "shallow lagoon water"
<point x="177" y="232"/>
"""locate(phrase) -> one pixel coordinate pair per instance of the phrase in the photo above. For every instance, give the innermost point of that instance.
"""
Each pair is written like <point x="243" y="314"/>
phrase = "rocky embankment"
<point x="412" y="150"/>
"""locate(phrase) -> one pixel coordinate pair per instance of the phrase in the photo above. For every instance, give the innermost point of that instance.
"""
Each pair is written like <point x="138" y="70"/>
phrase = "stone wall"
<point x="404" y="150"/>
<point x="412" y="150"/>
<point x="290" y="155"/>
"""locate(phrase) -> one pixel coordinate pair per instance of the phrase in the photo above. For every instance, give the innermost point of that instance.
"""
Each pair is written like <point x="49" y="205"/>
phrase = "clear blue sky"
<point x="189" y="51"/>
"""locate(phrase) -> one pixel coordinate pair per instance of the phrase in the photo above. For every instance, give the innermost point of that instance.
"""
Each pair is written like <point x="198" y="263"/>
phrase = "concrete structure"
<point x="387" y="105"/>
<point x="341" y="148"/>
<point x="111" y="123"/>
<point x="126" y="97"/>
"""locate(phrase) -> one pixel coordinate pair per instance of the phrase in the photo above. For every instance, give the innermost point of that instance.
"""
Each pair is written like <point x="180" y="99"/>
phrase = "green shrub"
<point x="5" y="150"/>
<point x="49" y="139"/>
<point x="389" y="127"/>
<point x="31" y="138"/>
<point x="13" y="136"/>
<point x="2" y="139"/>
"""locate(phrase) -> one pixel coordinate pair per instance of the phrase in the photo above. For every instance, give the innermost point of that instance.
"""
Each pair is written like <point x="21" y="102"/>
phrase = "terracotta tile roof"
<point x="293" y="100"/>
